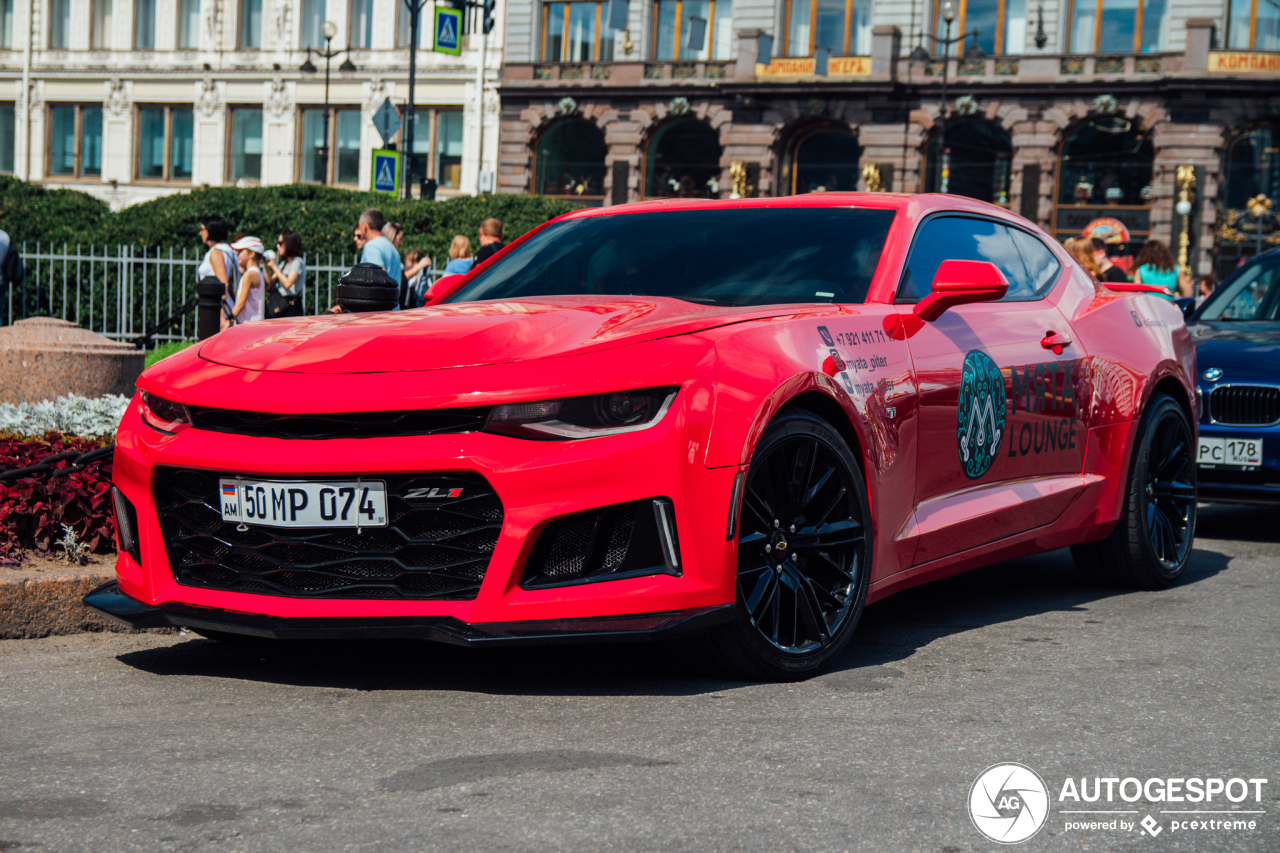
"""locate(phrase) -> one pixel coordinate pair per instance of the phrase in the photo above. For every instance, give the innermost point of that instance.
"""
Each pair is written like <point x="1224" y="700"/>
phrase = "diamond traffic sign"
<point x="387" y="121"/>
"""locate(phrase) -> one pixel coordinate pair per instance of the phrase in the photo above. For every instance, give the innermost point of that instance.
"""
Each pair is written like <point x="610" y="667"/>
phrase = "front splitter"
<point x="114" y="604"/>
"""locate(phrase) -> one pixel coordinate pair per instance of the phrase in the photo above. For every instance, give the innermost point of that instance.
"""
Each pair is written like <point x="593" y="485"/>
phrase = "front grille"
<point x="431" y="549"/>
<point x="613" y="542"/>
<point x="348" y="425"/>
<point x="1245" y="405"/>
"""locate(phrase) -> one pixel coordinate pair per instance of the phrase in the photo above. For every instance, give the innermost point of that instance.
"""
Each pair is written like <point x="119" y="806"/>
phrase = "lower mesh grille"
<point x="624" y="540"/>
<point x="437" y="549"/>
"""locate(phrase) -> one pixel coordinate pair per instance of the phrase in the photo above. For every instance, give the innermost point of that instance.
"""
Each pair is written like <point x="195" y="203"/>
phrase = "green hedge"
<point x="324" y="216"/>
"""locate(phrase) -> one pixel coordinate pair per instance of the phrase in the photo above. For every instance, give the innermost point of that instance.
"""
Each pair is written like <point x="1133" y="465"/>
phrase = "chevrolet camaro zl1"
<point x="738" y="421"/>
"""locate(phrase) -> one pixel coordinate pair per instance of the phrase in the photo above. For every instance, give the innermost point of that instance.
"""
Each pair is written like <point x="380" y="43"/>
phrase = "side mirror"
<point x="443" y="286"/>
<point x="959" y="283"/>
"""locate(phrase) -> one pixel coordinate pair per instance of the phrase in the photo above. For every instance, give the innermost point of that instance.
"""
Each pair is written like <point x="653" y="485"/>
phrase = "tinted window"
<point x="1027" y="263"/>
<point x="1253" y="295"/>
<point x="716" y="257"/>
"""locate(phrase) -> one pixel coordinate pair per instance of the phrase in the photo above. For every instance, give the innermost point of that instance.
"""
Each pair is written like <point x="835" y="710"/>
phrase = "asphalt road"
<point x="155" y="742"/>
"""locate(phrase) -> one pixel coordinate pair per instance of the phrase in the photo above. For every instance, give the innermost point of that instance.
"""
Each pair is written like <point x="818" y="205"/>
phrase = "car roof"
<point x="915" y="204"/>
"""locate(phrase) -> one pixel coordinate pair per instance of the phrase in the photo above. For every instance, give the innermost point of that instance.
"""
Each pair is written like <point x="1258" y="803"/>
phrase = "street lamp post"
<point x="1186" y="180"/>
<point x="948" y="10"/>
<point x="330" y="29"/>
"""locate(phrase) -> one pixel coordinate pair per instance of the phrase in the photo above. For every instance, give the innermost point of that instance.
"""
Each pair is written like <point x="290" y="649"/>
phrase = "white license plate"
<point x="273" y="503"/>
<point x="1230" y="451"/>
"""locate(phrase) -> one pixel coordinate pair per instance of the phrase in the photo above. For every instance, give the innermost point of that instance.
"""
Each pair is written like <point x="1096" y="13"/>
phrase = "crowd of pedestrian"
<point x="1153" y="266"/>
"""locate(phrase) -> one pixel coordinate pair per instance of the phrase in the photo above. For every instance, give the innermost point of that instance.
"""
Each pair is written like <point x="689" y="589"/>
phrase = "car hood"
<point x="468" y="334"/>
<point x="1237" y="343"/>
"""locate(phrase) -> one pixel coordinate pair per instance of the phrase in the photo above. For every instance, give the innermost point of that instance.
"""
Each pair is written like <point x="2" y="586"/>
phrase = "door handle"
<point x="1054" y="341"/>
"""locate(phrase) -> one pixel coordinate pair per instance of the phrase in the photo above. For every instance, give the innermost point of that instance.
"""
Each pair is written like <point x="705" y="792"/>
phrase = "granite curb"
<point x="42" y="598"/>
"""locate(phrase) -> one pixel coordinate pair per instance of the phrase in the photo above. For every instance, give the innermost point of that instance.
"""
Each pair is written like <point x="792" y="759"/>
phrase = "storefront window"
<point x="1254" y="25"/>
<point x="151" y="139"/>
<point x="576" y="32"/>
<point x="1106" y="161"/>
<point x="344" y="143"/>
<point x="975" y="162"/>
<point x="1252" y="166"/>
<point x="570" y="160"/>
<point x="1118" y="26"/>
<point x="683" y="161"/>
<point x="841" y="26"/>
<point x="677" y="22"/>
<point x="1001" y="24"/>
<point x="824" y="159"/>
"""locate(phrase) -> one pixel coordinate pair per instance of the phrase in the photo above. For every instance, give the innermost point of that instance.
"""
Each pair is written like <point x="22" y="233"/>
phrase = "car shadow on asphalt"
<point x="1240" y="522"/>
<point x="891" y="630"/>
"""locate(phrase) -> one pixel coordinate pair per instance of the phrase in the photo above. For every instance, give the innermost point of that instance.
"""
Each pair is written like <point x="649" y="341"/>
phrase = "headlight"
<point x="582" y="417"/>
<point x="164" y="415"/>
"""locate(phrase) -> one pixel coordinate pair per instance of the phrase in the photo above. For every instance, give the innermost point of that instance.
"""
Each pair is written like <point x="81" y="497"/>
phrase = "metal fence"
<point x="125" y="292"/>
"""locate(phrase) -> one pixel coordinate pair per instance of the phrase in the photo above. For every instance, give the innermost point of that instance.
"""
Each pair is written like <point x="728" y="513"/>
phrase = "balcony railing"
<point x="630" y="73"/>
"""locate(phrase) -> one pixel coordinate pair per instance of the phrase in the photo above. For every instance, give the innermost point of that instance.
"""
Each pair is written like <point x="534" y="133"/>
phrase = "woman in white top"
<point x="290" y="276"/>
<point x="219" y="261"/>
<point x="251" y="299"/>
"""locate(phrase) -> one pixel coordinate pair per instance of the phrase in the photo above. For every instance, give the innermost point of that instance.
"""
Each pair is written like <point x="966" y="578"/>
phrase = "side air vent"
<point x="620" y="541"/>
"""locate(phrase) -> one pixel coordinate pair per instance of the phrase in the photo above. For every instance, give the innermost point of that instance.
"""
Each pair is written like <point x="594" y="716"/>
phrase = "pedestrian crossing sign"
<point x="448" y="30"/>
<point x="386" y="171"/>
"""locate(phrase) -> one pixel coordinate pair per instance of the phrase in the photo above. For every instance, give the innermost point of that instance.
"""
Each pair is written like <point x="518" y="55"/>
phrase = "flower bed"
<point x="34" y="509"/>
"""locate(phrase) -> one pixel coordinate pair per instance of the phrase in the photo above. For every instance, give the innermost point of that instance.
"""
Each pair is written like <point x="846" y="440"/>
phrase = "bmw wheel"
<point x="1150" y="546"/>
<point x="804" y="554"/>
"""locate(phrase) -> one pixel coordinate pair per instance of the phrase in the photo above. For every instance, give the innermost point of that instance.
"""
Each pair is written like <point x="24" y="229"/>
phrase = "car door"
<point x="1000" y="444"/>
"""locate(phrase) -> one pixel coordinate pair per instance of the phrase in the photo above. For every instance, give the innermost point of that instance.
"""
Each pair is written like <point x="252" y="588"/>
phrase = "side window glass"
<point x="1042" y="265"/>
<point x="963" y="239"/>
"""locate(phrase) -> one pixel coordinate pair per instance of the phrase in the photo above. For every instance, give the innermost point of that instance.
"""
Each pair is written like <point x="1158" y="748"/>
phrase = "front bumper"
<point x="114" y="604"/>
<point x="1258" y="484"/>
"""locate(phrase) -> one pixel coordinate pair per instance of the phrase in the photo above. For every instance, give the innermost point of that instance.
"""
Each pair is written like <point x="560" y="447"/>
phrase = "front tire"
<point x="804" y="555"/>
<point x="1150" y="546"/>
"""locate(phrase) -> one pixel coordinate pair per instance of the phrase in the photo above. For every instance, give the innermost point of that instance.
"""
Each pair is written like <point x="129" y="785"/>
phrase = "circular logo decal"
<point x="980" y="417"/>
<point x="1009" y="803"/>
<point x="1213" y="374"/>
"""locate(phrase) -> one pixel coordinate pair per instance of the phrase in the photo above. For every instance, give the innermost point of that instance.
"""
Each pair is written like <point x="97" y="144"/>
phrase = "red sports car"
<point x="737" y="420"/>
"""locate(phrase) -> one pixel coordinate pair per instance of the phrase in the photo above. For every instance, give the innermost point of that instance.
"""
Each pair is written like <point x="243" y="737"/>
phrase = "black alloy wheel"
<point x="1149" y="547"/>
<point x="804" y="553"/>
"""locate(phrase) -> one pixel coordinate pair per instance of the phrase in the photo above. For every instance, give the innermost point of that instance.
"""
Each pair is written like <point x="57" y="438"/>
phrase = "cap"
<point x="253" y="244"/>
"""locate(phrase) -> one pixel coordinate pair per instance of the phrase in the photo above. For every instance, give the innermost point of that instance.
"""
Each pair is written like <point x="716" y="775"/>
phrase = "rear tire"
<point x="1150" y="546"/>
<point x="804" y="556"/>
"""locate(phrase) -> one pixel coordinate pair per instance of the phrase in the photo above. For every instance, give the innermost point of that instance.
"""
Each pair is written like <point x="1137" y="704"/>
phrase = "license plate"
<point x="336" y="503"/>
<point x="1230" y="451"/>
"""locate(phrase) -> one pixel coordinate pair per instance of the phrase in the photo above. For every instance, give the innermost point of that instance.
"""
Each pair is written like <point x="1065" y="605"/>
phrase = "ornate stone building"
<point x="132" y="99"/>
<point x="1071" y="124"/>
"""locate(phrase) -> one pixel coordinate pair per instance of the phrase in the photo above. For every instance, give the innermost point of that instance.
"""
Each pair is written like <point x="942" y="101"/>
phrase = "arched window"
<point x="570" y="161"/>
<point x="975" y="162"/>
<point x="683" y="161"/>
<point x="823" y="159"/>
<point x="1252" y="166"/>
<point x="1106" y="161"/>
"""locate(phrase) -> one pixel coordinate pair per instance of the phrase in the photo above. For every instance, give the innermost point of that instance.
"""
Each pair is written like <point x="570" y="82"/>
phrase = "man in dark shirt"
<point x="490" y="240"/>
<point x="1107" y="271"/>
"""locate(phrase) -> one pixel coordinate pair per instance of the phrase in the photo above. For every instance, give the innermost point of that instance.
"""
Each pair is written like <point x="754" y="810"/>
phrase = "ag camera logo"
<point x="1009" y="803"/>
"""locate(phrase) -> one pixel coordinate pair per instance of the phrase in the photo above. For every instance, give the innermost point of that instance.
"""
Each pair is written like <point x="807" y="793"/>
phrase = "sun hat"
<point x="253" y="244"/>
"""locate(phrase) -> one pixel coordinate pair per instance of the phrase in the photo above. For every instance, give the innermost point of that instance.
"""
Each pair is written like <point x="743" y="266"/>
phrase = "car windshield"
<point x="1254" y="295"/>
<point x="743" y="256"/>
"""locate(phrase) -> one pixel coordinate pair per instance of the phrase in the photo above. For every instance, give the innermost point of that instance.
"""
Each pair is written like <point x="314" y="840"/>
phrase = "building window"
<point x="570" y="160"/>
<point x="75" y="141"/>
<point x="100" y="32"/>
<point x="1001" y="24"/>
<point x="1106" y="161"/>
<point x="1251" y="166"/>
<point x="677" y="22"/>
<point x="165" y="141"/>
<point x="841" y="26"/>
<point x="245" y="150"/>
<point x="448" y="149"/>
<point x="1118" y="26"/>
<point x="59" y="24"/>
<point x="6" y="23"/>
<point x="312" y="24"/>
<point x="361" y="23"/>
<point x="251" y="23"/>
<point x="824" y="158"/>
<point x="144" y="25"/>
<point x="7" y="137"/>
<point x="975" y="163"/>
<point x="1254" y="25"/>
<point x="188" y="24"/>
<point x="344" y="142"/>
<point x="576" y="32"/>
<point x="682" y="160"/>
<point x="402" y="26"/>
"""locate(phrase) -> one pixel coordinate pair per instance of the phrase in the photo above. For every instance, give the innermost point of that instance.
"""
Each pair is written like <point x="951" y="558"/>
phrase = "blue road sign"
<point x="386" y="171"/>
<point x="448" y="30"/>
